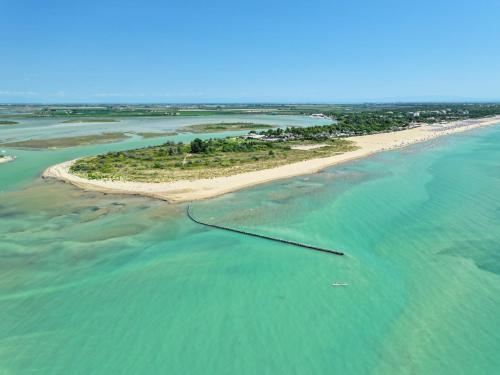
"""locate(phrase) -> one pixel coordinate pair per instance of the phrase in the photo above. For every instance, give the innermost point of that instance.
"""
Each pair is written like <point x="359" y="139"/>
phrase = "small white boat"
<point x="339" y="284"/>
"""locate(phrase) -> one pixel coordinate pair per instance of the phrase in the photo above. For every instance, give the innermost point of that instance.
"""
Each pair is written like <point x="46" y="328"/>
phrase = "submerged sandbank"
<point x="184" y="190"/>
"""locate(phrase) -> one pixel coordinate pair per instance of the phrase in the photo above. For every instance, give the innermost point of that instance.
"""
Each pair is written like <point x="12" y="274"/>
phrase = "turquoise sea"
<point x="108" y="284"/>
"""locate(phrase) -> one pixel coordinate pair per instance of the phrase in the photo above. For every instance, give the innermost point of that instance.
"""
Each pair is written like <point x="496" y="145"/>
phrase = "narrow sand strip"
<point x="184" y="190"/>
<point x="308" y="147"/>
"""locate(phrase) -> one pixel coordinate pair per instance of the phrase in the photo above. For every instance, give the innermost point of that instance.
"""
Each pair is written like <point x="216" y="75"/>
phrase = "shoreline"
<point x="185" y="190"/>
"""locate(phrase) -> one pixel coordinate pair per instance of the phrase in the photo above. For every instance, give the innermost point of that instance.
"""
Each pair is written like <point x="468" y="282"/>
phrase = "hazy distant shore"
<point x="184" y="190"/>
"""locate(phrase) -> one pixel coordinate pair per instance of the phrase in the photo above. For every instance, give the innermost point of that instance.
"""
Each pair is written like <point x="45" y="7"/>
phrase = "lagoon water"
<point x="107" y="284"/>
<point x="35" y="128"/>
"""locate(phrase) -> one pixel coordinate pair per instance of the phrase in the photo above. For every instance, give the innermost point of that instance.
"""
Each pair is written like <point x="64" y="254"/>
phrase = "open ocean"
<point x="107" y="284"/>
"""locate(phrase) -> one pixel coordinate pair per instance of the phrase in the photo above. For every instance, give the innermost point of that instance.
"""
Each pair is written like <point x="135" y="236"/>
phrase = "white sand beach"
<point x="184" y="190"/>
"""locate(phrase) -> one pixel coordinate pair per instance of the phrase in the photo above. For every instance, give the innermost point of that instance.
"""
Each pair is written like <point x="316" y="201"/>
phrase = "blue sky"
<point x="238" y="51"/>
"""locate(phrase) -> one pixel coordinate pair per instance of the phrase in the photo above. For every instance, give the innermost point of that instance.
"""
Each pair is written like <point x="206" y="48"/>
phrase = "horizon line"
<point x="269" y="103"/>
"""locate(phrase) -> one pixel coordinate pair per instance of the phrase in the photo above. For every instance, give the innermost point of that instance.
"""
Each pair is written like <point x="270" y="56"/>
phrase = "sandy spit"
<point x="6" y="159"/>
<point x="184" y="190"/>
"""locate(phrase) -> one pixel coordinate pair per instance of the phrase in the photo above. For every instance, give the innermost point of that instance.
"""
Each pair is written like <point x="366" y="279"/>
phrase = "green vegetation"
<point x="67" y="141"/>
<point x="199" y="159"/>
<point x="346" y="125"/>
<point x="8" y="122"/>
<point x="89" y="120"/>
<point x="223" y="127"/>
<point x="428" y="112"/>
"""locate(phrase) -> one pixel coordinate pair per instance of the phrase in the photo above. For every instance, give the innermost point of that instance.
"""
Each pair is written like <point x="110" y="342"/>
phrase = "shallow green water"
<point x="103" y="284"/>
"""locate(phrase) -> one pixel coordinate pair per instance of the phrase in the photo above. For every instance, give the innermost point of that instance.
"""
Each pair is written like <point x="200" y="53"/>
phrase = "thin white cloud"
<point x="112" y="95"/>
<point x="18" y="93"/>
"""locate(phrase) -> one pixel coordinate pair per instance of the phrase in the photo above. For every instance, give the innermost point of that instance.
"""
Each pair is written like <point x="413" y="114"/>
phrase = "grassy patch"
<point x="200" y="159"/>
<point x="155" y="134"/>
<point x="67" y="141"/>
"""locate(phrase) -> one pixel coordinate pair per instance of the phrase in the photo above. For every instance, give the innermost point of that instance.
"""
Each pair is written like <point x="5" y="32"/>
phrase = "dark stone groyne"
<point x="311" y="247"/>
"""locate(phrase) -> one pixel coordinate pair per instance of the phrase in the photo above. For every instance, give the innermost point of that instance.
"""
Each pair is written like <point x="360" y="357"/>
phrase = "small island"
<point x="5" y="122"/>
<point x="224" y="127"/>
<point x="88" y="120"/>
<point x="147" y="135"/>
